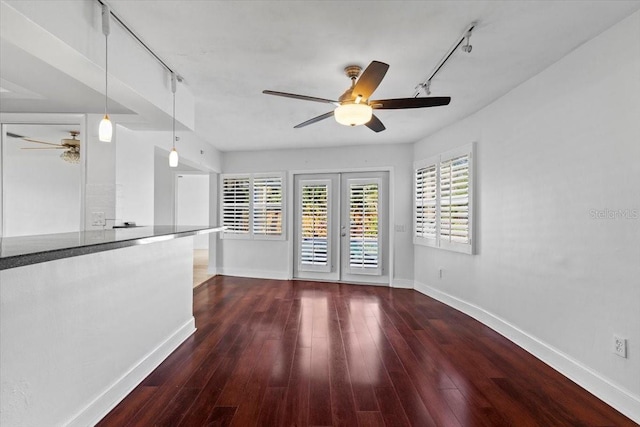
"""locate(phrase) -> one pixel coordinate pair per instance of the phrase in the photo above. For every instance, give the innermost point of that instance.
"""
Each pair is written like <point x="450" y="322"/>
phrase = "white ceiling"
<point x="229" y="51"/>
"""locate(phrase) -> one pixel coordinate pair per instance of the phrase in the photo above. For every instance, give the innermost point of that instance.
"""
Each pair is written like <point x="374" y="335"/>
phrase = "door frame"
<point x="290" y="198"/>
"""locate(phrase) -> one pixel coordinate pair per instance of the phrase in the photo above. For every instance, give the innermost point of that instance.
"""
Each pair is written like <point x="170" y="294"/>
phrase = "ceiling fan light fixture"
<point x="353" y="114"/>
<point x="71" y="156"/>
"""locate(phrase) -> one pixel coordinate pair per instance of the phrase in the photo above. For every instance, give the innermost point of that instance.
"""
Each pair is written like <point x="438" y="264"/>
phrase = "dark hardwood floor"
<point x="294" y="353"/>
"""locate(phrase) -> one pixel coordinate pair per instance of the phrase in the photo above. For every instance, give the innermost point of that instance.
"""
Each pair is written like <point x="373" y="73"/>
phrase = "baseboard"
<point x="253" y="274"/>
<point x="619" y="398"/>
<point x="402" y="283"/>
<point x="104" y="403"/>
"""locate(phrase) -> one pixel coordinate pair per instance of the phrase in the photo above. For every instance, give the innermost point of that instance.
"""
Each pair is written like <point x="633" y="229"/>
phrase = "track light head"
<point x="106" y="15"/>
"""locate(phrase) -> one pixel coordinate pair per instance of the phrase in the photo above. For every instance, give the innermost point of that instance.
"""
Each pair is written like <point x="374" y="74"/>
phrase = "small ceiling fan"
<point x="71" y="145"/>
<point x="354" y="107"/>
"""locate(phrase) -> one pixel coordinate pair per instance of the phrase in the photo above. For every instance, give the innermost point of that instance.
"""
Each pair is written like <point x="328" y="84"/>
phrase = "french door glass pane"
<point x="363" y="226"/>
<point x="314" y="250"/>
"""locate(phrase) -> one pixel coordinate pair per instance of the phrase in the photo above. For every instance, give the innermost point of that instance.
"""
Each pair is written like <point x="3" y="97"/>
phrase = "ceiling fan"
<point x="70" y="145"/>
<point x="354" y="107"/>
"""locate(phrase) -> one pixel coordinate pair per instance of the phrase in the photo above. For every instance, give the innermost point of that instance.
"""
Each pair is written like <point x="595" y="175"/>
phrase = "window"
<point x="443" y="201"/>
<point x="235" y="204"/>
<point x="252" y="206"/>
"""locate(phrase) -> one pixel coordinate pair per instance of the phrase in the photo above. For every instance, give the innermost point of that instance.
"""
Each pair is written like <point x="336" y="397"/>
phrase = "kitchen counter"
<point x="26" y="250"/>
<point x="85" y="317"/>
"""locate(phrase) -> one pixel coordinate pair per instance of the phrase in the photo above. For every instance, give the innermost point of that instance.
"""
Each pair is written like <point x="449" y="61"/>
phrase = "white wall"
<point x="164" y="190"/>
<point x="550" y="153"/>
<point x="145" y="182"/>
<point x="100" y="191"/>
<point x="271" y="258"/>
<point x="134" y="177"/>
<point x="192" y="204"/>
<point x="42" y="192"/>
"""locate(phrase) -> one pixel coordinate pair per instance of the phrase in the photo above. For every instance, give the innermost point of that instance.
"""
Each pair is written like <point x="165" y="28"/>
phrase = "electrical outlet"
<point x="97" y="219"/>
<point x="620" y="346"/>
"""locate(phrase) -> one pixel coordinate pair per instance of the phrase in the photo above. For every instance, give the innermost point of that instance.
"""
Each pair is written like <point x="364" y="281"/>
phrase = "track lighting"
<point x="173" y="155"/>
<point x="105" y="131"/>
<point x="463" y="43"/>
<point x="466" y="47"/>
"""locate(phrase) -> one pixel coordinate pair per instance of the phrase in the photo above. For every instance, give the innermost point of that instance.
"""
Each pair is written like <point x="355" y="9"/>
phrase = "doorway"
<point x="192" y="208"/>
<point x="341" y="227"/>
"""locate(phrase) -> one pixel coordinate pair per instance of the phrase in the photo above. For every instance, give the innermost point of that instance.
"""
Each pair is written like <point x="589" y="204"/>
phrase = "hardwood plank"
<point x="221" y="416"/>
<point x="361" y="384"/>
<point x="296" y="409"/>
<point x="390" y="407"/>
<point x="233" y="391"/>
<point x="121" y="414"/>
<point x="469" y="414"/>
<point x="320" y="407"/>
<point x="254" y="392"/>
<point x="272" y="406"/>
<point x="370" y="419"/>
<point x="204" y="403"/>
<point x="342" y="401"/>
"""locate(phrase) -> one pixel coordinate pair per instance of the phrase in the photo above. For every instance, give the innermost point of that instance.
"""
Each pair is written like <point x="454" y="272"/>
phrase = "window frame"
<point x="437" y="161"/>
<point x="251" y="234"/>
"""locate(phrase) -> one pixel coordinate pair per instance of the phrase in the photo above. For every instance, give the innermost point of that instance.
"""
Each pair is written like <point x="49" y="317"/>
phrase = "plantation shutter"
<point x="236" y="204"/>
<point x="425" y="202"/>
<point x="443" y="202"/>
<point x="267" y="206"/>
<point x="364" y="238"/>
<point x="454" y="200"/>
<point x="314" y="244"/>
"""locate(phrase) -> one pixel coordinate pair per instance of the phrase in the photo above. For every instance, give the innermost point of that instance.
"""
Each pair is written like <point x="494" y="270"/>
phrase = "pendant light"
<point x="173" y="156"/>
<point x="105" y="131"/>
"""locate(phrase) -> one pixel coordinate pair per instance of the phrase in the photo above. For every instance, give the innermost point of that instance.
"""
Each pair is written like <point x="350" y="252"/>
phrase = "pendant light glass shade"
<point x="105" y="131"/>
<point x="353" y="114"/>
<point x="173" y="158"/>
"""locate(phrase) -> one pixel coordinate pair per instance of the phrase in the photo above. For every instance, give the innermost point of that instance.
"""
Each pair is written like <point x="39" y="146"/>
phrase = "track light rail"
<point x="139" y="40"/>
<point x="466" y="35"/>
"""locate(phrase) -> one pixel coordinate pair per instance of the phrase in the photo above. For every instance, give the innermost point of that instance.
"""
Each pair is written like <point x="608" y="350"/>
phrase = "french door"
<point x="341" y="227"/>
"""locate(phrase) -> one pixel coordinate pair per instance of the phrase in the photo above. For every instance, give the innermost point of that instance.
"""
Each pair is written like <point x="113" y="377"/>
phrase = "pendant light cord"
<point x="106" y="66"/>
<point x="173" y="122"/>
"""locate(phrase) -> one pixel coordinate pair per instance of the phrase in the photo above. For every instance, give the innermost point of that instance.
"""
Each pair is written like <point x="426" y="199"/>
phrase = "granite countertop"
<point x="26" y="250"/>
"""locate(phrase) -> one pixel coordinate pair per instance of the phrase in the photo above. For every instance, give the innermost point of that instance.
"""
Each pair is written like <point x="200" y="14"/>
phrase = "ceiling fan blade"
<point x="44" y="148"/>
<point x="375" y="124"/>
<point x="41" y="142"/>
<point x="370" y="79"/>
<point x="301" y="97"/>
<point x="314" y="120"/>
<point x="401" y="103"/>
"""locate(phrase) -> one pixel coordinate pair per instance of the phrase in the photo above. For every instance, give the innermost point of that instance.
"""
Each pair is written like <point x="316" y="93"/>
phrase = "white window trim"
<point x="250" y="235"/>
<point x="467" y="248"/>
